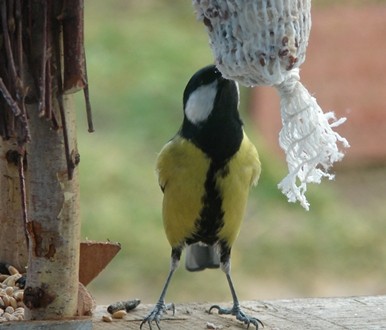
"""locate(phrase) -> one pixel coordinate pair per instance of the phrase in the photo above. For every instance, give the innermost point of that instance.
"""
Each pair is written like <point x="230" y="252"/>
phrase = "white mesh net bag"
<point x="263" y="42"/>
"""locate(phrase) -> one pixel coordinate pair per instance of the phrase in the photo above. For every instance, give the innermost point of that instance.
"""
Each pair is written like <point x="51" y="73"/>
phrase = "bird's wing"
<point x="181" y="169"/>
<point x="244" y="171"/>
<point x="252" y="159"/>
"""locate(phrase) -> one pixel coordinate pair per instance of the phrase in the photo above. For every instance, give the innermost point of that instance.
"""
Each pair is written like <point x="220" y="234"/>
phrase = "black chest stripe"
<point x="211" y="218"/>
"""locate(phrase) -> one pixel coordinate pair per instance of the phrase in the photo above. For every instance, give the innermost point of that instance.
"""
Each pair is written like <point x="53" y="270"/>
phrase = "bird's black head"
<point x="211" y="117"/>
<point x="206" y="92"/>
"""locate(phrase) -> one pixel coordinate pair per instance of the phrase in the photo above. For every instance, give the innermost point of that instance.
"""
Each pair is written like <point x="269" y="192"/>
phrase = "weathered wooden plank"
<point x="292" y="314"/>
<point x="323" y="313"/>
<point x="79" y="324"/>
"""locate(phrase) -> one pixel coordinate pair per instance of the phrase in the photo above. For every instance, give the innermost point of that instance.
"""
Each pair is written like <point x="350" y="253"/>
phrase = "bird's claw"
<point x="155" y="315"/>
<point x="239" y="314"/>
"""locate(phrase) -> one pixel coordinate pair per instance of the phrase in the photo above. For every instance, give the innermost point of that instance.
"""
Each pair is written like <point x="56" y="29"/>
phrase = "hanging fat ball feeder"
<point x="263" y="42"/>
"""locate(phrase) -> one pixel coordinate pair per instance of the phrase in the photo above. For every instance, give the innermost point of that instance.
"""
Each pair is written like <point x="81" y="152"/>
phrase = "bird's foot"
<point x="155" y="315"/>
<point x="240" y="315"/>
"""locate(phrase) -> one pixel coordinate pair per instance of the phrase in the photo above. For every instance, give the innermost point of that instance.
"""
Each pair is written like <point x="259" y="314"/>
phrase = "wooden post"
<point x="53" y="221"/>
<point x="13" y="246"/>
<point x="42" y="61"/>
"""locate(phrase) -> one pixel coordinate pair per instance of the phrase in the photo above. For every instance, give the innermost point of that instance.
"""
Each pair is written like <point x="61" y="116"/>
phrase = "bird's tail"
<point x="200" y="256"/>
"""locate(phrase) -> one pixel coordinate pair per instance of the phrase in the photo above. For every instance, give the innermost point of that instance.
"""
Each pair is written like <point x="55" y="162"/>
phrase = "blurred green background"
<point x="140" y="55"/>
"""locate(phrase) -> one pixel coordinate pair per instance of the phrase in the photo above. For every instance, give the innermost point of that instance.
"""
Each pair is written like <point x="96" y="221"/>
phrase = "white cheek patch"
<point x="200" y="103"/>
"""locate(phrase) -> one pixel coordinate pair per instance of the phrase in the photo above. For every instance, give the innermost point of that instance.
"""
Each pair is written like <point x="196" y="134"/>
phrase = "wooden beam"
<point x="289" y="314"/>
<point x="64" y="324"/>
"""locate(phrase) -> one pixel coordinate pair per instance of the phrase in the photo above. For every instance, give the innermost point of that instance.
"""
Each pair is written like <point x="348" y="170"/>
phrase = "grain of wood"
<point x="311" y="313"/>
<point x="65" y="324"/>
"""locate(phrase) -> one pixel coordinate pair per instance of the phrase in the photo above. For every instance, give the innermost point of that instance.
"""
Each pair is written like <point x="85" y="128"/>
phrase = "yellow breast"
<point x="182" y="170"/>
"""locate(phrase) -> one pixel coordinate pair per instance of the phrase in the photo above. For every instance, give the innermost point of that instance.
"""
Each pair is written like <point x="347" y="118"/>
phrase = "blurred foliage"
<point x="140" y="55"/>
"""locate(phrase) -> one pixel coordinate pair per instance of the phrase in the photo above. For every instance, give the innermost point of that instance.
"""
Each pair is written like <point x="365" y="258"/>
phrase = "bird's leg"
<point x="161" y="307"/>
<point x="236" y="309"/>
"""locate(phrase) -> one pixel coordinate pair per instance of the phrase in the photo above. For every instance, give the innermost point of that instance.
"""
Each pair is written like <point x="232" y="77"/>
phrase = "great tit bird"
<point x="205" y="173"/>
